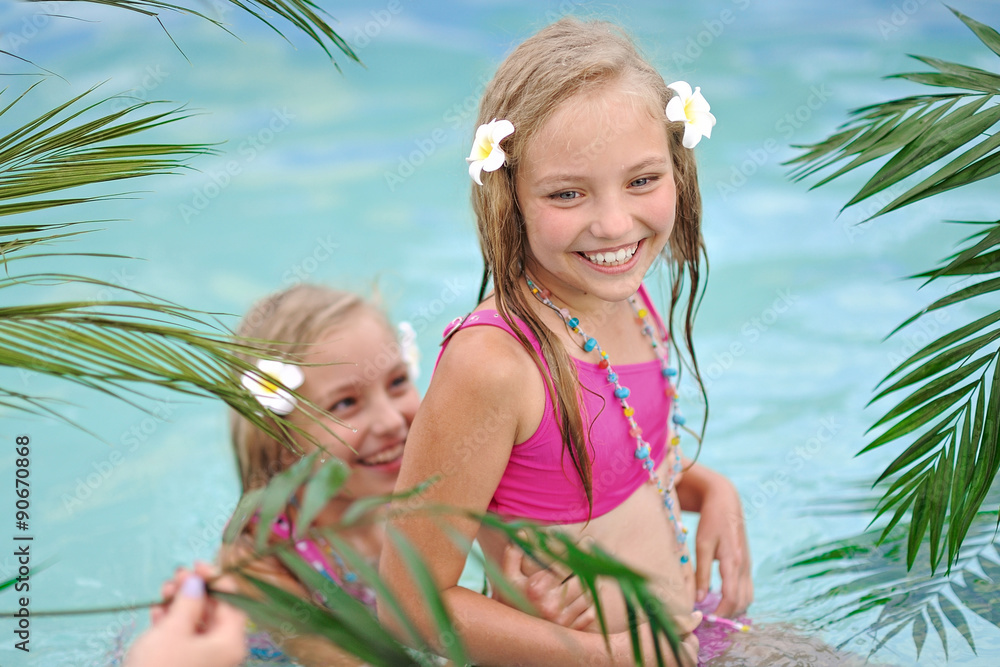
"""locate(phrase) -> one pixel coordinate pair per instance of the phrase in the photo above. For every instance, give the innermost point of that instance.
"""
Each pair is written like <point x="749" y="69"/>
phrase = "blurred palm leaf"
<point x="304" y="16"/>
<point x="867" y="575"/>
<point x="950" y="417"/>
<point x="112" y="345"/>
<point x="351" y="625"/>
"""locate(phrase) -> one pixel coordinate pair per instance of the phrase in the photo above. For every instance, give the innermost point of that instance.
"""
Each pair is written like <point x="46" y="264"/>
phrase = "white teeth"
<point x="385" y="456"/>
<point x="612" y="258"/>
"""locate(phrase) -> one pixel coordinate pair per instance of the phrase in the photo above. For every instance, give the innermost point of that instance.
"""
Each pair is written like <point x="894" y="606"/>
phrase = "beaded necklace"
<point x="642" y="449"/>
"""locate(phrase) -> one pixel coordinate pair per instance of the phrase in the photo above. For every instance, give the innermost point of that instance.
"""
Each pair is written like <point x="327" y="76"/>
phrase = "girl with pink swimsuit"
<point x="554" y="400"/>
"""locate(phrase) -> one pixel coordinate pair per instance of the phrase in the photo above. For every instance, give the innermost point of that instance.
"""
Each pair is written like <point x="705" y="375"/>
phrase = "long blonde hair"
<point x="565" y="59"/>
<point x="297" y="317"/>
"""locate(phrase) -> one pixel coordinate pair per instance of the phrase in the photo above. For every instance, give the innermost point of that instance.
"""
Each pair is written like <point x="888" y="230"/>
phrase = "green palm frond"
<point x="953" y="409"/>
<point x="304" y="16"/>
<point x="64" y="148"/>
<point x="350" y="625"/>
<point x="867" y="576"/>
<point x="113" y="346"/>
<point x="949" y="414"/>
<point x="918" y="132"/>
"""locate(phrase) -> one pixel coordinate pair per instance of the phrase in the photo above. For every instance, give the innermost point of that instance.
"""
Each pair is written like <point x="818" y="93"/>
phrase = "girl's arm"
<point x="462" y="436"/>
<point x="721" y="536"/>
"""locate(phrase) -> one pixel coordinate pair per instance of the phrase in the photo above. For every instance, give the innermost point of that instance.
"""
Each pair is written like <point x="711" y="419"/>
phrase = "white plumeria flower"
<point x="410" y="350"/>
<point x="486" y="152"/>
<point x="692" y="109"/>
<point x="264" y="388"/>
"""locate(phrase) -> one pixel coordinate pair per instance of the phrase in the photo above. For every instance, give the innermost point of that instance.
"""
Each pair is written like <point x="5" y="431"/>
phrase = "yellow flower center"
<point x="688" y="111"/>
<point x="267" y="385"/>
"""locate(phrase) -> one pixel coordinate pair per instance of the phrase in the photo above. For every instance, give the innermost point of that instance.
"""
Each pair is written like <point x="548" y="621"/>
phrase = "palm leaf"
<point x="351" y="620"/>
<point x="948" y="392"/>
<point x="867" y="575"/>
<point x="303" y="15"/>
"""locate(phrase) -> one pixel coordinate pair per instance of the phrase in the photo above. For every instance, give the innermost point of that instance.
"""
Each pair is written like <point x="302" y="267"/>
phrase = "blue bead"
<point x="350" y="577"/>
<point x="670" y="372"/>
<point x="612" y="377"/>
<point x="622" y="392"/>
<point x="682" y="538"/>
<point x="573" y="323"/>
<point x="648" y="464"/>
<point x="590" y="344"/>
<point x="684" y="559"/>
<point x="679" y="419"/>
<point x="642" y="452"/>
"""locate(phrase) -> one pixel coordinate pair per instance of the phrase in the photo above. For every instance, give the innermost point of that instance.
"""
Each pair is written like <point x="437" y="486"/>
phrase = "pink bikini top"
<point x="540" y="482"/>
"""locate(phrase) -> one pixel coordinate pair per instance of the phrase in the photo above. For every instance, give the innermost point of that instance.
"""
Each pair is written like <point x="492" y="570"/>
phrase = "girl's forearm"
<point x="495" y="634"/>
<point x="694" y="485"/>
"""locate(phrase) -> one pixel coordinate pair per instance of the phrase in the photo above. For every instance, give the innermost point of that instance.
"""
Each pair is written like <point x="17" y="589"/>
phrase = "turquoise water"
<point x="358" y="179"/>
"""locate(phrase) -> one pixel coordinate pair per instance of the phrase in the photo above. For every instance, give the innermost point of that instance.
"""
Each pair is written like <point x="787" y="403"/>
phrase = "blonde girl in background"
<point x="360" y="374"/>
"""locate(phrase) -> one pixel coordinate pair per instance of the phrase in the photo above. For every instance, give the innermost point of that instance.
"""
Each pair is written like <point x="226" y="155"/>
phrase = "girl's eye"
<point x="565" y="196"/>
<point x="343" y="404"/>
<point x="639" y="182"/>
<point x="400" y="380"/>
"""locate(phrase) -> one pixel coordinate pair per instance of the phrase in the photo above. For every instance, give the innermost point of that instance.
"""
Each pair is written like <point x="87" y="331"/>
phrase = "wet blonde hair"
<point x="569" y="58"/>
<point x="298" y="317"/>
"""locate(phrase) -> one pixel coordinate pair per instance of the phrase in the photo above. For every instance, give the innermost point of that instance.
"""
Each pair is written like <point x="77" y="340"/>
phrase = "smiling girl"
<point x="561" y="378"/>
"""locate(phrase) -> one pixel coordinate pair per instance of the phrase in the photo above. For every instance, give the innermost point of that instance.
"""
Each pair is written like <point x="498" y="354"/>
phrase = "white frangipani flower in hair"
<point x="486" y="152"/>
<point x="264" y="385"/>
<point x="691" y="108"/>
<point x="410" y="350"/>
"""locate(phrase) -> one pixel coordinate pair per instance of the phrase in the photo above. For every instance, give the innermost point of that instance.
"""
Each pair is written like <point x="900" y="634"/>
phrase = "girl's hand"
<point x="722" y="536"/>
<point x="621" y="644"/>
<point x="559" y="599"/>
<point x="191" y="629"/>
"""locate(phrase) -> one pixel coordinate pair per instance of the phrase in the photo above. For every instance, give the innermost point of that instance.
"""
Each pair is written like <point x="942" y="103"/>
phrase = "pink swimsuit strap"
<point x="540" y="482"/>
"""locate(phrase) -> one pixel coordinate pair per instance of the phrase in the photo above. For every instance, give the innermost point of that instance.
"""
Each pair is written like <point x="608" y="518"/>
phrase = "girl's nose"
<point x="613" y="220"/>
<point x="387" y="420"/>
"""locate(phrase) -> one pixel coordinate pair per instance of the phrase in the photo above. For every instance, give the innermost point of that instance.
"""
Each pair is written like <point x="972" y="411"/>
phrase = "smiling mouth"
<point x="385" y="456"/>
<point x="611" y="258"/>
